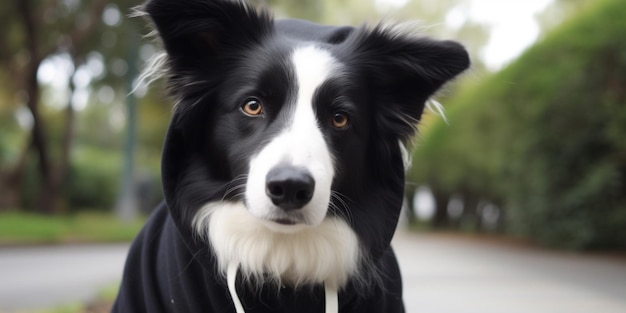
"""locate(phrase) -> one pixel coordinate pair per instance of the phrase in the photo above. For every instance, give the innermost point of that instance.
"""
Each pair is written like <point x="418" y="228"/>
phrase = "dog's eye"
<point x="252" y="107"/>
<point x="340" y="120"/>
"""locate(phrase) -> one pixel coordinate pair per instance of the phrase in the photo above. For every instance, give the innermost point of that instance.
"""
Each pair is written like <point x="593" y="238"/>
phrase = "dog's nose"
<point x="290" y="188"/>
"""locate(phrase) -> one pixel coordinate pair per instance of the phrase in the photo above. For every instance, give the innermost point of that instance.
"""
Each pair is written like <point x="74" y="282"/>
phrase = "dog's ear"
<point x="407" y="71"/>
<point x="197" y="31"/>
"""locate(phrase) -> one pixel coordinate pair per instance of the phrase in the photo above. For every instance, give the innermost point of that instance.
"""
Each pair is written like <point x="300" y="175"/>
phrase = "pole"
<point x="127" y="207"/>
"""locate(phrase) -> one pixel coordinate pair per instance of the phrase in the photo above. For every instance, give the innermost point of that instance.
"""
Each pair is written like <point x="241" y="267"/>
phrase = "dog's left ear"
<point x="407" y="71"/>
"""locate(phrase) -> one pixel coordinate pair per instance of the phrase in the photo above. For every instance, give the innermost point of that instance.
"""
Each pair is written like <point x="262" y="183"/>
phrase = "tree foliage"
<point x="545" y="138"/>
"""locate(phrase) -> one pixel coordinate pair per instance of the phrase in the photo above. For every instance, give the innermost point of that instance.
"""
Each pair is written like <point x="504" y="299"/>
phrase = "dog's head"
<point x="298" y="121"/>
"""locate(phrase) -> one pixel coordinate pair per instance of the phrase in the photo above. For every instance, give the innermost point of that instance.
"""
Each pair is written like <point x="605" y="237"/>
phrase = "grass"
<point x="101" y="304"/>
<point x="26" y="228"/>
<point x="73" y="308"/>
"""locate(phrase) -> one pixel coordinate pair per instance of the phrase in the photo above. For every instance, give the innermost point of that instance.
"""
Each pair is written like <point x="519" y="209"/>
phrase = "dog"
<point x="283" y="166"/>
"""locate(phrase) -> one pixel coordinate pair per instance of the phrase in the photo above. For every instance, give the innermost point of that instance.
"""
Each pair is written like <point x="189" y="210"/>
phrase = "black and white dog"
<point x="283" y="166"/>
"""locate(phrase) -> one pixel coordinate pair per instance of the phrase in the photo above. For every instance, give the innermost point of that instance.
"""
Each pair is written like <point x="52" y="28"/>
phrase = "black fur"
<point x="220" y="53"/>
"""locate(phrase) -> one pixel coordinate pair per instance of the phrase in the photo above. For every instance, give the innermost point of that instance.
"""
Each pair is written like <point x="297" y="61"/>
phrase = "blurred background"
<point x="532" y="144"/>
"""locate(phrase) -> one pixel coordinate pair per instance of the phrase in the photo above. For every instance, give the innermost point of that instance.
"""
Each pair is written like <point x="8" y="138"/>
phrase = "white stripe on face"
<point x="300" y="144"/>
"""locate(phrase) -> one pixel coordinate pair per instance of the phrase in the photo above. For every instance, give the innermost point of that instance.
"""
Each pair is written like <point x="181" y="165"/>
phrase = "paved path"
<point x="442" y="274"/>
<point x="36" y="277"/>
<point x="448" y="274"/>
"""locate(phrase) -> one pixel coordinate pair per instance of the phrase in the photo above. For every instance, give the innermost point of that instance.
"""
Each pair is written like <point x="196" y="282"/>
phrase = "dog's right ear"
<point x="195" y="32"/>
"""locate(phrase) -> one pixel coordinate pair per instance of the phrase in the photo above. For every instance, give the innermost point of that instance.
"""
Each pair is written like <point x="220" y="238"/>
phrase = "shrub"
<point x="94" y="179"/>
<point x="546" y="137"/>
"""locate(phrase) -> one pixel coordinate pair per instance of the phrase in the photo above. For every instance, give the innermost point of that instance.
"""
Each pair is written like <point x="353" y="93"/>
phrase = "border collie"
<point x="283" y="168"/>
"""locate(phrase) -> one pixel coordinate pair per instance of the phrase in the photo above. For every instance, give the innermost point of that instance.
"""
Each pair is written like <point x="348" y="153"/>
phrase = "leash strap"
<point x="231" y="277"/>
<point x="332" y="300"/>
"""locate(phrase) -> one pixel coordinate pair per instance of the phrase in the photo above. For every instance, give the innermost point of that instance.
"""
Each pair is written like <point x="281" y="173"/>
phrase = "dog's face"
<point x="293" y="126"/>
<point x="300" y="122"/>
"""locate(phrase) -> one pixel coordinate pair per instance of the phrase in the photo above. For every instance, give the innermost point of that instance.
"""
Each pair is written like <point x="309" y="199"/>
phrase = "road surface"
<point x="450" y="274"/>
<point x="442" y="274"/>
<point x="39" y="277"/>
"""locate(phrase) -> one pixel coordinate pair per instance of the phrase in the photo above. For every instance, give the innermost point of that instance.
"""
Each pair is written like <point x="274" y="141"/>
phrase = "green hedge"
<point x="94" y="179"/>
<point x="546" y="137"/>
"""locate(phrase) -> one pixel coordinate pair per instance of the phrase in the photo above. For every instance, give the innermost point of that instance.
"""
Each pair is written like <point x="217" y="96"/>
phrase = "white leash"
<point x="231" y="277"/>
<point x="332" y="299"/>
<point x="330" y="293"/>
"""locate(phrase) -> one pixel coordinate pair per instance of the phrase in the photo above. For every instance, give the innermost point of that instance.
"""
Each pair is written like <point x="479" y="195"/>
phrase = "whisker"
<point x="238" y="195"/>
<point x="342" y="204"/>
<point x="234" y="186"/>
<point x="234" y="189"/>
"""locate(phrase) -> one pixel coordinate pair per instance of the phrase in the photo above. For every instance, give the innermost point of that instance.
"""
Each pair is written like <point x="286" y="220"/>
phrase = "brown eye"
<point x="252" y="107"/>
<point x="340" y="120"/>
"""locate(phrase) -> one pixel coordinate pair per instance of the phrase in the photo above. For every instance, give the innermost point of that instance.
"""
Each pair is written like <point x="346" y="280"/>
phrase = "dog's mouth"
<point x="284" y="221"/>
<point x="278" y="216"/>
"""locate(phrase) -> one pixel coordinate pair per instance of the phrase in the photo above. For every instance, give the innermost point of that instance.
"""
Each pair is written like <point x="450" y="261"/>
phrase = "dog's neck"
<point x="327" y="254"/>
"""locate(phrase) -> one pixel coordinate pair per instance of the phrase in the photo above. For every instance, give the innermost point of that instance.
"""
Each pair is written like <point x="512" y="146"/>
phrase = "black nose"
<point x="289" y="187"/>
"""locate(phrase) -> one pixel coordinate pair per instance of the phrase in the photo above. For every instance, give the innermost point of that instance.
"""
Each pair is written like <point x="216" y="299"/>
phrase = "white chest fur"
<point x="328" y="253"/>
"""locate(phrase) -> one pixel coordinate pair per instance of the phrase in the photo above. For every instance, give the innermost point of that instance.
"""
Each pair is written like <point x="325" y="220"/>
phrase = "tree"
<point x="544" y="138"/>
<point x="34" y="31"/>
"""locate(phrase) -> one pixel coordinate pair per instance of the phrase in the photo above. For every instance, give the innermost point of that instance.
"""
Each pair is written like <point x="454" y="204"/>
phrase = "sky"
<point x="514" y="27"/>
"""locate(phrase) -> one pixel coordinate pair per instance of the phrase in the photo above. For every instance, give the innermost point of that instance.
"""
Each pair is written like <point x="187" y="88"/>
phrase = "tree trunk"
<point x="441" y="218"/>
<point x="26" y="11"/>
<point x="471" y="215"/>
<point x="46" y="202"/>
